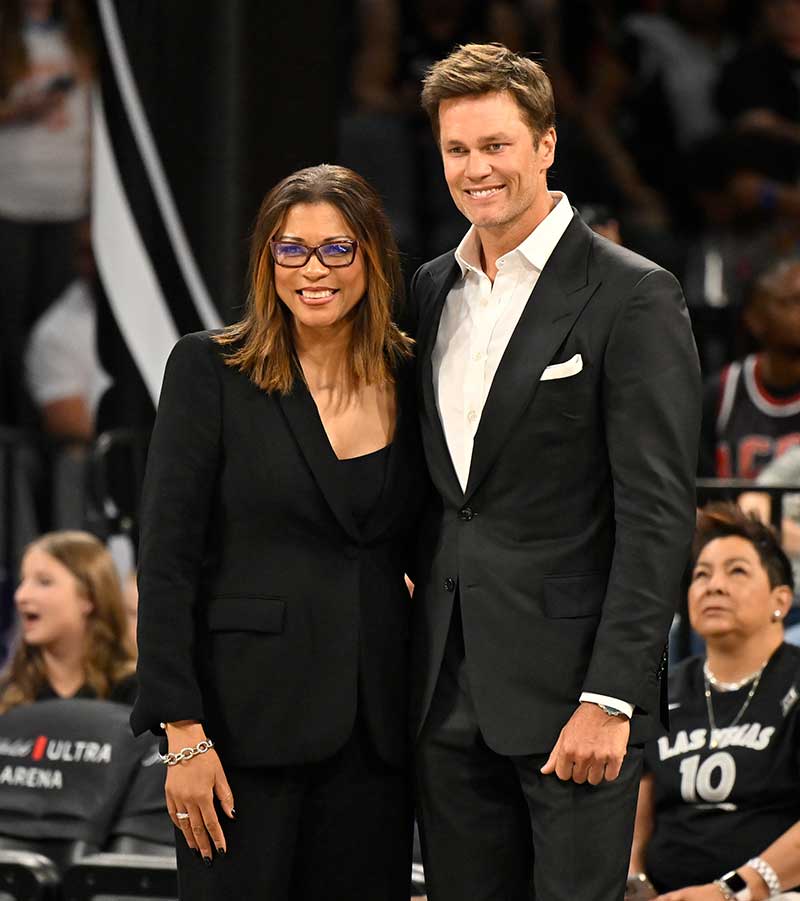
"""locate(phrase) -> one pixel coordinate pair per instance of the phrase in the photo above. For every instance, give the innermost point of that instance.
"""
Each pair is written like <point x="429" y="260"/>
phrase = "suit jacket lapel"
<point x="558" y="298"/>
<point x="304" y="421"/>
<point x="440" y="463"/>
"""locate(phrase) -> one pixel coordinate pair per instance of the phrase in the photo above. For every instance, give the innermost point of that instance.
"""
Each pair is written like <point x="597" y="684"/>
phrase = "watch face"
<point x="734" y="882"/>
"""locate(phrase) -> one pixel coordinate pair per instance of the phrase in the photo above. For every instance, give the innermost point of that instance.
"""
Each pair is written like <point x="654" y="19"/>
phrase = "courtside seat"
<point x="130" y="844"/>
<point x="62" y="853"/>
<point x="26" y="876"/>
<point x="121" y="877"/>
<point x="142" y="825"/>
<point x="65" y="770"/>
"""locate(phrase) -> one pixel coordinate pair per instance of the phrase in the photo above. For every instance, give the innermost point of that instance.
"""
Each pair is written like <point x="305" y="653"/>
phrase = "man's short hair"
<point x="475" y="69"/>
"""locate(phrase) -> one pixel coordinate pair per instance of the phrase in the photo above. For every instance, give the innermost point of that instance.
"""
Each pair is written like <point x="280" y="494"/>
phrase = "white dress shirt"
<point x="477" y="322"/>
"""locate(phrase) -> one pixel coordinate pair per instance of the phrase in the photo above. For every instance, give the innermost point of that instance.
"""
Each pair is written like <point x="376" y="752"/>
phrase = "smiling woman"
<point x="310" y="208"/>
<point x="321" y="292"/>
<point x="279" y="510"/>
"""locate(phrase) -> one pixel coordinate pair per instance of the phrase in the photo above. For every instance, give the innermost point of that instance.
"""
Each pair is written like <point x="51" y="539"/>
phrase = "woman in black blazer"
<point x="282" y="489"/>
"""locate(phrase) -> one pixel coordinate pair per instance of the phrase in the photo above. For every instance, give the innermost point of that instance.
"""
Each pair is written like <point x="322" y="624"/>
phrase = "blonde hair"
<point x="261" y="344"/>
<point x="109" y="655"/>
<point x="475" y="69"/>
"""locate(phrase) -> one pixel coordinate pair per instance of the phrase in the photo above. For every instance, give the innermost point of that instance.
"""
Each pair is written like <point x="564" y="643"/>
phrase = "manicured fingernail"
<point x="221" y="852"/>
<point x="207" y="861"/>
<point x="233" y="812"/>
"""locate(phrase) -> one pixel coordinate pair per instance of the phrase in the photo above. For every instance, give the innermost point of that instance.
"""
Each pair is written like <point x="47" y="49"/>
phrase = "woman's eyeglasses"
<point x="332" y="255"/>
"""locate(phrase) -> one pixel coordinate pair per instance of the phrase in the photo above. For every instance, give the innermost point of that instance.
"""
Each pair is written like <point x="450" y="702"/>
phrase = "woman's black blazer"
<point x="263" y="611"/>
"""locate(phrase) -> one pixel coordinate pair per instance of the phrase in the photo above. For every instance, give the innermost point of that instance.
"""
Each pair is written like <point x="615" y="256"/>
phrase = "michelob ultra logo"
<point x="65" y="750"/>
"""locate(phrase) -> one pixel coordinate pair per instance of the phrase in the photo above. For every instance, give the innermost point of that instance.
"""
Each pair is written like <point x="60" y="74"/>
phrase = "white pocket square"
<point x="563" y="370"/>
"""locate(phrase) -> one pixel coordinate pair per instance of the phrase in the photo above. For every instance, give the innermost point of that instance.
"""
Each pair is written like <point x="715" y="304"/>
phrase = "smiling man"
<point x="560" y="406"/>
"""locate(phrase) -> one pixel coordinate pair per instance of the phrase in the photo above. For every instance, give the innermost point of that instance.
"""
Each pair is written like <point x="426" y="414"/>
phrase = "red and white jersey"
<point x="752" y="425"/>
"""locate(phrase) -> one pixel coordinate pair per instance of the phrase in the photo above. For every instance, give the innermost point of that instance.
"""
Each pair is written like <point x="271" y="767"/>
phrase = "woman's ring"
<point x="182" y="816"/>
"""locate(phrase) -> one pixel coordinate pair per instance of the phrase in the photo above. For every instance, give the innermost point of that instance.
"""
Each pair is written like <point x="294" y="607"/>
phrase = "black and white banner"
<point x="155" y="297"/>
<point x="199" y="110"/>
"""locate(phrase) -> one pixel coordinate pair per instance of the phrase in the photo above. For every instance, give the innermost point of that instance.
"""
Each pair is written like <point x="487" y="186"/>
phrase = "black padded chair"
<point x="62" y="853"/>
<point x="121" y="877"/>
<point x="25" y="876"/>
<point x="65" y="768"/>
<point x="142" y="825"/>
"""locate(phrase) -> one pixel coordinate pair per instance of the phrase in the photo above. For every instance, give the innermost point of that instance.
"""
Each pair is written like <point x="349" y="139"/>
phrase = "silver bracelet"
<point x="766" y="872"/>
<point x="187" y="753"/>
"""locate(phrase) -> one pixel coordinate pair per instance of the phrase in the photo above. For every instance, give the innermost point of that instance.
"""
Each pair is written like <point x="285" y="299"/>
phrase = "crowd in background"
<point x="678" y="136"/>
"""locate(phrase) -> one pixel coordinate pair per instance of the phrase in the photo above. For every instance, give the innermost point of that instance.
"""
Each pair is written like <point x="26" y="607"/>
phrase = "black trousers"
<point x="338" y="830"/>
<point x="494" y="829"/>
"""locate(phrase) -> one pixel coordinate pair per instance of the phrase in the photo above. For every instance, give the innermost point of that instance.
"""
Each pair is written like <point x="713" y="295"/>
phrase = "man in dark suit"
<point x="560" y="399"/>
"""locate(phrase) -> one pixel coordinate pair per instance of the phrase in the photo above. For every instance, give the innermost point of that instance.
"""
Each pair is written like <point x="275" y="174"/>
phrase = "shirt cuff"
<point x="592" y="698"/>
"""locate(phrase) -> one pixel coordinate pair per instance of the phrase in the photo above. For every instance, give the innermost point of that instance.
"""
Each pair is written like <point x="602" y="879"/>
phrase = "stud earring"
<point x="776" y="616"/>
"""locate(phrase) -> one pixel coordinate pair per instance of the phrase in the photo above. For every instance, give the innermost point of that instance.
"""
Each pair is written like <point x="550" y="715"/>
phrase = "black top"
<point x="364" y="477"/>
<point x="715" y="808"/>
<point x="122" y="692"/>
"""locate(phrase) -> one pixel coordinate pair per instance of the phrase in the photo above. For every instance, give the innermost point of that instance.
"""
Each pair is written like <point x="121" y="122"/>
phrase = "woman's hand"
<point x="190" y="788"/>
<point x="707" y="892"/>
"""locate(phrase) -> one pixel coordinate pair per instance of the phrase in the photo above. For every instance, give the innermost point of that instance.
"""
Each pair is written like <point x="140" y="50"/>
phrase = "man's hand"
<point x="591" y="747"/>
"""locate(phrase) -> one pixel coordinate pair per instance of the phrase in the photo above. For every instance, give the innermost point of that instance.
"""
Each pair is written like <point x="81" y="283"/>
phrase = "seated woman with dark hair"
<point x="720" y="799"/>
<point x="73" y="639"/>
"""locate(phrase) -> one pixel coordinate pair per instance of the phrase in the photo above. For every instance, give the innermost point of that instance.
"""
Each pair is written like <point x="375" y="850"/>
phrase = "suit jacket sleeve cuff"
<point x="616" y="703"/>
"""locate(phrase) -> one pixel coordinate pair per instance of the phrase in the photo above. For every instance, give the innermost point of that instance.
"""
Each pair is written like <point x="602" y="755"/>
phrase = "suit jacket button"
<point x="466" y="514"/>
<point x="449" y="585"/>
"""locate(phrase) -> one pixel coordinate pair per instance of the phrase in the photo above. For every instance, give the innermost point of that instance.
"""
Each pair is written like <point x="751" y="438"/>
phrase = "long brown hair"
<point x="109" y="654"/>
<point x="14" y="60"/>
<point x="262" y="344"/>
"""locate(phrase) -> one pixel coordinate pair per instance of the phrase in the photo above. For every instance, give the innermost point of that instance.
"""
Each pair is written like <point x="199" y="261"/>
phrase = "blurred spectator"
<point x="62" y="367"/>
<point x="751" y="409"/>
<point x="674" y="60"/>
<point x="721" y="792"/>
<point x="45" y="77"/>
<point x="601" y="220"/>
<point x="678" y="57"/>
<point x="385" y="136"/>
<point x="760" y="89"/>
<point x="758" y="95"/>
<point x="593" y="81"/>
<point x="74" y="638"/>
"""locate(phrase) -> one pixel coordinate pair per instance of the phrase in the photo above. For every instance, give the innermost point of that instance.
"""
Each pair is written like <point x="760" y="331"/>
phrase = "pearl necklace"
<point x="708" y="676"/>
<point x="730" y="686"/>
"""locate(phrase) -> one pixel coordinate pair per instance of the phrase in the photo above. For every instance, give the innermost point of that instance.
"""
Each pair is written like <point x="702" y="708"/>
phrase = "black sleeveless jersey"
<point x="745" y="425"/>
<point x="716" y="807"/>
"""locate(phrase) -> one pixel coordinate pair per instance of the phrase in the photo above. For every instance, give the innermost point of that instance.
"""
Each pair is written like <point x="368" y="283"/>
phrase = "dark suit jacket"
<point x="568" y="546"/>
<point x="263" y="611"/>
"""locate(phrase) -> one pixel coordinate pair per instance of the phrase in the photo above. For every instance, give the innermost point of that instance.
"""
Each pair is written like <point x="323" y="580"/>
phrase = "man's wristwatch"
<point x="611" y="711"/>
<point x="733" y="887"/>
